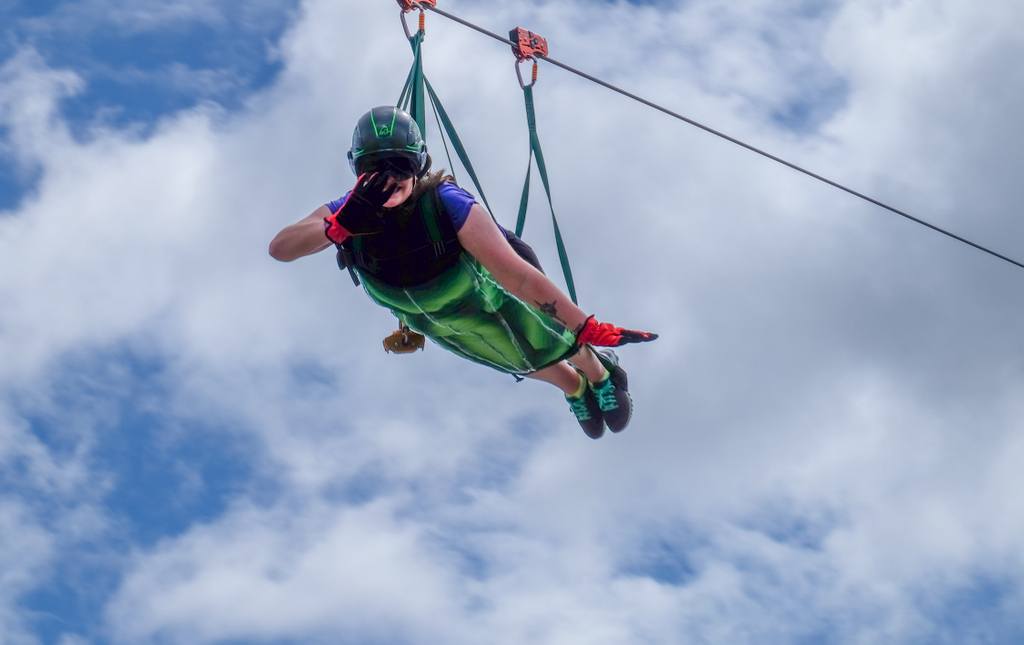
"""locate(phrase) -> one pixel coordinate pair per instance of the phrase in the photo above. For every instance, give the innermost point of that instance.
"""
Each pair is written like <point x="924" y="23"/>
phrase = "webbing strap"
<point x="428" y="208"/>
<point x="460" y="150"/>
<point x="412" y="100"/>
<point x="535" y="151"/>
<point x="524" y="200"/>
<point x="404" y="97"/>
<point x="357" y="250"/>
<point x="412" y="97"/>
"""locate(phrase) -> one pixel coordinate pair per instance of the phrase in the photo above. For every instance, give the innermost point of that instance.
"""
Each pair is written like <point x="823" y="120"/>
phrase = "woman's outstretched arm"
<point x="482" y="238"/>
<point x="302" y="238"/>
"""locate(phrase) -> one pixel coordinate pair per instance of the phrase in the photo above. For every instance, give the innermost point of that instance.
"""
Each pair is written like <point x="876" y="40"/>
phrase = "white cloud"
<point x="298" y="568"/>
<point x="824" y="440"/>
<point x="28" y="106"/>
<point x="140" y="17"/>
<point x="47" y="510"/>
<point x="24" y="553"/>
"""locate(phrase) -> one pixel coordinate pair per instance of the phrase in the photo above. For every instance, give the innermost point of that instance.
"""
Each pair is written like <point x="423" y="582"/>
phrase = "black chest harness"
<point x="414" y="247"/>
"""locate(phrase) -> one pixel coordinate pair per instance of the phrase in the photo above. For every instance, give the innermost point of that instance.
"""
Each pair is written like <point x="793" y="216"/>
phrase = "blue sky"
<point x="136" y="69"/>
<point x="165" y="476"/>
<point x="201" y="445"/>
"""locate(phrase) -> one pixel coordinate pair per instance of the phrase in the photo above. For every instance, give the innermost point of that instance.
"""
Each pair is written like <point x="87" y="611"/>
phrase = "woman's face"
<point x="402" y="191"/>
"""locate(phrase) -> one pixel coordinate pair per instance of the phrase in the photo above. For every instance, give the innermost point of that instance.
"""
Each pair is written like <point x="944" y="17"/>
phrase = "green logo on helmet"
<point x="385" y="130"/>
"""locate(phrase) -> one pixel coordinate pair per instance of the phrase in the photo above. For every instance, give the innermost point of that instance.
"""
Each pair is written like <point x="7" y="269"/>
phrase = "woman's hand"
<point x="602" y="334"/>
<point x="361" y="212"/>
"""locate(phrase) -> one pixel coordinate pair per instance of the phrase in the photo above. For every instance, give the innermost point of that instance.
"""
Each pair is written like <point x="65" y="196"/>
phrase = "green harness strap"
<point x="535" y="151"/>
<point x="413" y="100"/>
<point x="429" y="209"/>
<point x="460" y="150"/>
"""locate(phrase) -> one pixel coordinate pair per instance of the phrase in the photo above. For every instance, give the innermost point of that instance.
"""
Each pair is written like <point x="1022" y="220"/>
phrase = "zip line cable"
<point x="731" y="139"/>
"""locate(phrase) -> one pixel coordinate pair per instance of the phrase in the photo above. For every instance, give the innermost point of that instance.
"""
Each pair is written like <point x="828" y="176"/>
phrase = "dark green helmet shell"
<point x="386" y="131"/>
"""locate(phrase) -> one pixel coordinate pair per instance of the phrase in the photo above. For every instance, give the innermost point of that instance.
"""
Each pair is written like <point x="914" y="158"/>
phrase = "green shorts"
<point x="468" y="313"/>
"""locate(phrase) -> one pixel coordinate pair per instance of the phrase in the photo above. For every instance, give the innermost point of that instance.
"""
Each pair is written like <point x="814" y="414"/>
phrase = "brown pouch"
<point x="404" y="341"/>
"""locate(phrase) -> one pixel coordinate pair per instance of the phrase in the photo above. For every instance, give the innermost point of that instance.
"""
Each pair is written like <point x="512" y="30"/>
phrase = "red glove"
<point x="361" y="212"/>
<point x="602" y="334"/>
<point x="334" y="231"/>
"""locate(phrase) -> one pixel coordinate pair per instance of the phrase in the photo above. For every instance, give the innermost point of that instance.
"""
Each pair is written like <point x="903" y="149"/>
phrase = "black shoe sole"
<point x="628" y="418"/>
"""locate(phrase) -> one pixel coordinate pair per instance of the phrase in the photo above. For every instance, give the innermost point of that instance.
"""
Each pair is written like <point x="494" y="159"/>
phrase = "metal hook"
<point x="519" y="72"/>
<point x="405" y="25"/>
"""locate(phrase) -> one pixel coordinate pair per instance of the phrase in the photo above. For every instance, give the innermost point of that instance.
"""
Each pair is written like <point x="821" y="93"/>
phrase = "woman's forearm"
<point x="302" y="238"/>
<point x="538" y="290"/>
<point x="482" y="238"/>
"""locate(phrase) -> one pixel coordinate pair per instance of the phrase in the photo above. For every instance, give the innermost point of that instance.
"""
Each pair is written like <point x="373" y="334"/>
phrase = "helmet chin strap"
<point x="427" y="163"/>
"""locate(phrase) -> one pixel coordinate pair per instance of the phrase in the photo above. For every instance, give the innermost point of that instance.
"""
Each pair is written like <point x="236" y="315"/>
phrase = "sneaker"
<point x="588" y="413"/>
<point x="612" y="394"/>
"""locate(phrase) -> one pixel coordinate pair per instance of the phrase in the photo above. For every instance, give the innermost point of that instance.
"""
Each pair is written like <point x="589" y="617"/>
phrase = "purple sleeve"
<point x="457" y="202"/>
<point x="333" y="206"/>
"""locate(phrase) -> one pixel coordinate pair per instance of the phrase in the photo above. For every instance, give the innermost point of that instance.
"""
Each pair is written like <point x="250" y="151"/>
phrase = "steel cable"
<point x="734" y="140"/>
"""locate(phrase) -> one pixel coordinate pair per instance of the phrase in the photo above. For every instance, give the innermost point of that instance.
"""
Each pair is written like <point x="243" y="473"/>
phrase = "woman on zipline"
<point x="425" y="249"/>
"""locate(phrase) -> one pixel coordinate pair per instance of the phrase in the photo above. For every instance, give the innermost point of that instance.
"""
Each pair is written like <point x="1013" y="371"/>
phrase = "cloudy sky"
<point x="199" y="444"/>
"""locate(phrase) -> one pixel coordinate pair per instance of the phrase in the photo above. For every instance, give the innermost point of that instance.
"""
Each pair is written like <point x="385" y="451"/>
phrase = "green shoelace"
<point x="579" y="408"/>
<point x="606" y="396"/>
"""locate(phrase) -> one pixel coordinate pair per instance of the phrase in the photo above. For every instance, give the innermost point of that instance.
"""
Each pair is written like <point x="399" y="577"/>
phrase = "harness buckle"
<point x="346" y="262"/>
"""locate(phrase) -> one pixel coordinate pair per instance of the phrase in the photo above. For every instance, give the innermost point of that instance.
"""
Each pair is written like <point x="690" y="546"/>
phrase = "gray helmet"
<point x="386" y="132"/>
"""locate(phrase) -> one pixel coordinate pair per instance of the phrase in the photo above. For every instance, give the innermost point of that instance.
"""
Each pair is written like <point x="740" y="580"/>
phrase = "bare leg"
<point x="561" y="375"/>
<point x="586" y="361"/>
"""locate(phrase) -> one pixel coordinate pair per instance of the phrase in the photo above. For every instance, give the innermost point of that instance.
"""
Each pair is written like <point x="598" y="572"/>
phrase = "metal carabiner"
<point x="527" y="45"/>
<point x="405" y="25"/>
<point x="519" y="72"/>
<point x="409" y="5"/>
